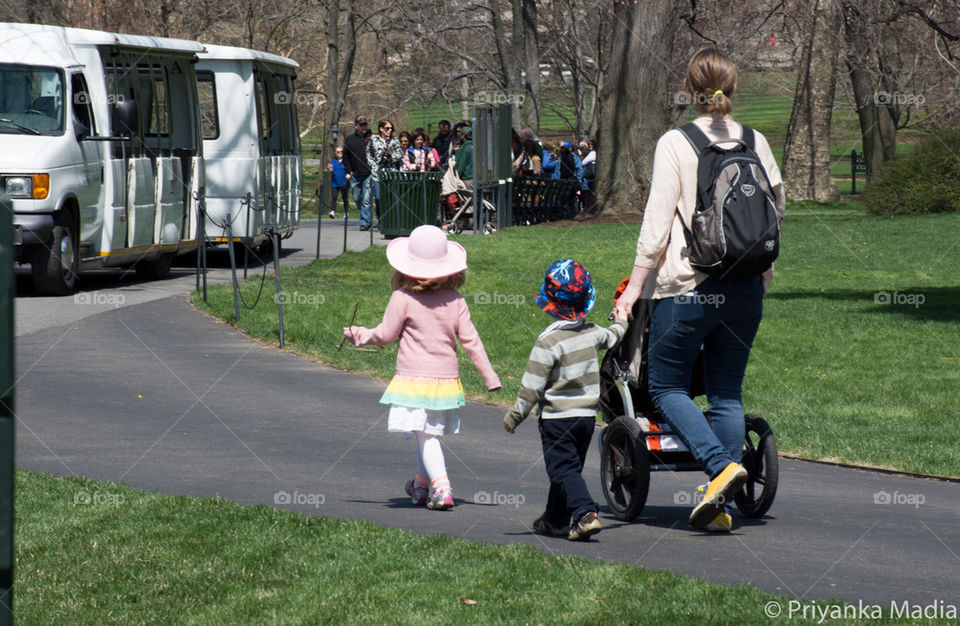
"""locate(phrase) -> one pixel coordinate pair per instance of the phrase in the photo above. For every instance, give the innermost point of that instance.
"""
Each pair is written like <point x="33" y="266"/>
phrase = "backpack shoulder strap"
<point x="748" y="137"/>
<point x="695" y="136"/>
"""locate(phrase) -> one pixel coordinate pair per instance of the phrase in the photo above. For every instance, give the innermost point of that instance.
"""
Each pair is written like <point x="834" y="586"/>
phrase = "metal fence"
<point x="493" y="165"/>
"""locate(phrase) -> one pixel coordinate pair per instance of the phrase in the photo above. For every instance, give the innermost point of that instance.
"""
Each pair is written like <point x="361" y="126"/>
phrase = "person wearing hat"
<point x="464" y="157"/>
<point x="427" y="314"/>
<point x="355" y="160"/>
<point x="562" y="379"/>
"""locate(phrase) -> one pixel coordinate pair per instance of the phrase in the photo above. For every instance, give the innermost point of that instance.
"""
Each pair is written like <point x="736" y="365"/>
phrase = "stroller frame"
<point x="627" y="450"/>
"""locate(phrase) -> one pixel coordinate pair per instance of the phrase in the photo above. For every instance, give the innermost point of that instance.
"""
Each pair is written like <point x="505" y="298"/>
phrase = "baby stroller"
<point x="456" y="203"/>
<point x="637" y="440"/>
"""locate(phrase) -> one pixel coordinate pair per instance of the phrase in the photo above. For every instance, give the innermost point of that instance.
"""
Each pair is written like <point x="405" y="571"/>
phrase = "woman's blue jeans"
<point x="722" y="316"/>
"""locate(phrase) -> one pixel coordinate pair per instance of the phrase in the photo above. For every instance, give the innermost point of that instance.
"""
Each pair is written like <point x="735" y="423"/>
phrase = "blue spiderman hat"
<point x="567" y="292"/>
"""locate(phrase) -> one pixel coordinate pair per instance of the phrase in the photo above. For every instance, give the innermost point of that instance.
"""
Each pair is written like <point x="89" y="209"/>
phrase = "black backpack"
<point x="735" y="230"/>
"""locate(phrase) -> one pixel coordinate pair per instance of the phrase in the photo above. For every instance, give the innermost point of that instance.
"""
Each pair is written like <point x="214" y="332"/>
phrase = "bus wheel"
<point x="55" y="265"/>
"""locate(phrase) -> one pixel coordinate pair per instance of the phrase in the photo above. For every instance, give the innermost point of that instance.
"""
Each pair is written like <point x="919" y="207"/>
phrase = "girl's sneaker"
<point x="418" y="493"/>
<point x="586" y="527"/>
<point x="442" y="500"/>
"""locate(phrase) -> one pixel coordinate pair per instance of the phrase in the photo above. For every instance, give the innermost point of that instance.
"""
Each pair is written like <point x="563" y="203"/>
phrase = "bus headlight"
<point x="36" y="186"/>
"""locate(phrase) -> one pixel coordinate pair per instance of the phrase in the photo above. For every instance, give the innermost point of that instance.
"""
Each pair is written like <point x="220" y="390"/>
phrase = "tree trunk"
<point x="634" y="104"/>
<point x="531" y="48"/>
<point x="509" y="53"/>
<point x="338" y="77"/>
<point x="876" y="110"/>
<point x="806" y="155"/>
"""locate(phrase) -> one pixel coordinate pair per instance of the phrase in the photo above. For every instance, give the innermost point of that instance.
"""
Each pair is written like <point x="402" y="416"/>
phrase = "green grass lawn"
<point x="839" y="373"/>
<point x="90" y="552"/>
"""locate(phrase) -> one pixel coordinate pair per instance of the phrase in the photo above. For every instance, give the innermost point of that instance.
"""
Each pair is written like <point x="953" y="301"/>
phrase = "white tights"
<point x="430" y="463"/>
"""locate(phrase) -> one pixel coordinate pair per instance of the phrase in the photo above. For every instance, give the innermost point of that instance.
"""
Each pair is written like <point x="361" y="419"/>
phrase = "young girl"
<point x="428" y="315"/>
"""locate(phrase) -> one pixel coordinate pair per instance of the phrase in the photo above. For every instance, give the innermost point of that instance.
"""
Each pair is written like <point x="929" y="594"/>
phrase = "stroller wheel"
<point x="760" y="460"/>
<point x="624" y="468"/>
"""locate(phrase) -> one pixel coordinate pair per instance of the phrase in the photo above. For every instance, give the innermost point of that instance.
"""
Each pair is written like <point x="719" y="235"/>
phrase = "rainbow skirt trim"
<point x="434" y="394"/>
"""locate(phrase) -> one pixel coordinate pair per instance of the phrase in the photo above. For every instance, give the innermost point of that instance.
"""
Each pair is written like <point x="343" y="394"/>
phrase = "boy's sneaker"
<point x="719" y="492"/>
<point x="418" y="493"/>
<point x="333" y="214"/>
<point x="720" y="524"/>
<point x="586" y="527"/>
<point x="543" y="527"/>
<point x="442" y="500"/>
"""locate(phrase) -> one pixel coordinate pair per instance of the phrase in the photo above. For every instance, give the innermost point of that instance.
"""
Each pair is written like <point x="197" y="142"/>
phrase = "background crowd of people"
<point x="364" y="154"/>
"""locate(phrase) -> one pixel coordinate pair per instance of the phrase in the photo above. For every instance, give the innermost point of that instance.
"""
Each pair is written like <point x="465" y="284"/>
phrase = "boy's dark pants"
<point x="565" y="444"/>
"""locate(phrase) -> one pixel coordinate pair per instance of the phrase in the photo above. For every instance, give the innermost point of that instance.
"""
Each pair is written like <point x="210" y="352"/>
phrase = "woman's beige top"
<point x="674" y="186"/>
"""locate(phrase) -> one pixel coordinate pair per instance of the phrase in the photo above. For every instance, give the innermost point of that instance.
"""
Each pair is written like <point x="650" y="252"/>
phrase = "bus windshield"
<point x="31" y="100"/>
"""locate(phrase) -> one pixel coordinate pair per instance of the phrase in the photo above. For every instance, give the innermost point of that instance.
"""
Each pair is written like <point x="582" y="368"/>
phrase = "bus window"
<point x="81" y="102"/>
<point x="209" y="114"/>
<point x="263" y="112"/>
<point x="159" y="117"/>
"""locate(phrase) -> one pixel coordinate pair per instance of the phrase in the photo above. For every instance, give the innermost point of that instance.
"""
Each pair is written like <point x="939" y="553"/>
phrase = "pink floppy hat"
<point x="426" y="253"/>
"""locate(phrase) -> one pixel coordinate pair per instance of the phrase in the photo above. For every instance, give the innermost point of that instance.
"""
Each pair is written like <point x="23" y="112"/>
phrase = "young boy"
<point x="339" y="182"/>
<point x="562" y="380"/>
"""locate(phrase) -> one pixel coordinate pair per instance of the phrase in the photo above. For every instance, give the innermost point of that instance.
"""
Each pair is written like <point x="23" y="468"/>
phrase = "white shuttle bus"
<point x="251" y="144"/>
<point x="100" y="150"/>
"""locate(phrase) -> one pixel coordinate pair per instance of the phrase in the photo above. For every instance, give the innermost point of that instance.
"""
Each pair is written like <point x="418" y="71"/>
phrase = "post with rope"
<point x="270" y="228"/>
<point x="7" y="435"/>
<point x="346" y="208"/>
<point x="201" y="241"/>
<point x="233" y="265"/>
<point x="321" y="210"/>
<point x="246" y="229"/>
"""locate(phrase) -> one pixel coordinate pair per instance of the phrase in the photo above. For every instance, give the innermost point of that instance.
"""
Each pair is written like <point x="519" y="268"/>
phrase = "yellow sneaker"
<point x="720" y="524"/>
<point x="720" y="490"/>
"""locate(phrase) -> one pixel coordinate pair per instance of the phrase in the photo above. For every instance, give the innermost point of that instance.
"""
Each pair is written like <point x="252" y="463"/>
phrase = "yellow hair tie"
<point x="718" y="92"/>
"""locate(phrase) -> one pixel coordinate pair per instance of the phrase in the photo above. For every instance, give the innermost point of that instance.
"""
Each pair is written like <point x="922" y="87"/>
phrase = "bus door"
<point x="183" y="166"/>
<point x="291" y="155"/>
<point x="131" y="162"/>
<point x="269" y="129"/>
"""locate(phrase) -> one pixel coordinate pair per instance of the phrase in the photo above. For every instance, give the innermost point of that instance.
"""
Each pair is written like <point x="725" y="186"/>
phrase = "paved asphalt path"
<point x="158" y="396"/>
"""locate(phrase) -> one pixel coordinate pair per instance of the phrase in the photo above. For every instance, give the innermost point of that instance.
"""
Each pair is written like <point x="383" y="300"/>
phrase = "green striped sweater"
<point x="562" y="377"/>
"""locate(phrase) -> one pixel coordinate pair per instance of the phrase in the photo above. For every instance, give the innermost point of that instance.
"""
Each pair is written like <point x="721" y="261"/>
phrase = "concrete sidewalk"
<point x="181" y="404"/>
<point x="105" y="290"/>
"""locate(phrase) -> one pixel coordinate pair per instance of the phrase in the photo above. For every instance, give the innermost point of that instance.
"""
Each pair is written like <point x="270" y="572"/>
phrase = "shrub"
<point x="927" y="180"/>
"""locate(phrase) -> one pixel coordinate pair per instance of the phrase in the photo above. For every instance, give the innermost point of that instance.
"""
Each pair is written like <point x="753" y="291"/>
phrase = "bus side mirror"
<point x="126" y="118"/>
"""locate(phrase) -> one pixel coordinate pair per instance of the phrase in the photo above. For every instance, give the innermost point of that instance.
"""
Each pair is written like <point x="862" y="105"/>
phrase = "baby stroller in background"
<point x="456" y="205"/>
<point x="637" y="440"/>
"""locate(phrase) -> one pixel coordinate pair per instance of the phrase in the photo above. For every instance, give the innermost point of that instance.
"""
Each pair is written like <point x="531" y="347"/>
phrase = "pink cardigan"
<point x="428" y="325"/>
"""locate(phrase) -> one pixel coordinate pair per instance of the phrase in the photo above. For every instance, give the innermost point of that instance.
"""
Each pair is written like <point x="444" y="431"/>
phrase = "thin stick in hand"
<point x="352" y="320"/>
